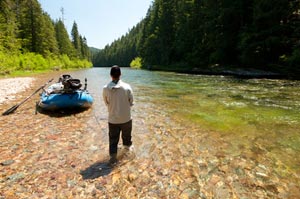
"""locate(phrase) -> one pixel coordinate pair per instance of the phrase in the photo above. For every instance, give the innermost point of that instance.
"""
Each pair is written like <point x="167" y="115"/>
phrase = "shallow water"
<point x="245" y="112"/>
<point x="194" y="136"/>
<point x="256" y="117"/>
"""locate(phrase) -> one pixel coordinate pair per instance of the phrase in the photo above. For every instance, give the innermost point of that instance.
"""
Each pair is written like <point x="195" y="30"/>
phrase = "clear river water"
<point x="250" y="114"/>
<point x="253" y="118"/>
<point x="195" y="136"/>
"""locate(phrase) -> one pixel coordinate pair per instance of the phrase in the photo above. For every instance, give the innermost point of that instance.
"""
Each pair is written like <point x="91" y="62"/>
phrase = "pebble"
<point x="16" y="177"/>
<point x="172" y="159"/>
<point x="7" y="162"/>
<point x="11" y="86"/>
<point x="261" y="174"/>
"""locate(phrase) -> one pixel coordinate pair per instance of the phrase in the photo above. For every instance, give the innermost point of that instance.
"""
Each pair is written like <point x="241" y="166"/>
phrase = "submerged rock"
<point x="7" y="162"/>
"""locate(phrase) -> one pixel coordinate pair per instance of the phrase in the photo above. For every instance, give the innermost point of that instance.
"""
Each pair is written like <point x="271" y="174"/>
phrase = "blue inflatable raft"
<point x="79" y="99"/>
<point x="66" y="94"/>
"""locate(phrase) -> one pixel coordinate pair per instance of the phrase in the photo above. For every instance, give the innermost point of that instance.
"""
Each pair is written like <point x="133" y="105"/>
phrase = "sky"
<point x="99" y="21"/>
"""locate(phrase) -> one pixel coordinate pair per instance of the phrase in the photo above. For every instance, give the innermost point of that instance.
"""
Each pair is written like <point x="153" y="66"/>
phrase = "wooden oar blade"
<point x="11" y="110"/>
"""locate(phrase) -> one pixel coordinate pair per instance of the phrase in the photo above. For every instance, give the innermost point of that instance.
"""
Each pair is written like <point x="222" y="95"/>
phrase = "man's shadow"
<point x="96" y="170"/>
<point x="103" y="168"/>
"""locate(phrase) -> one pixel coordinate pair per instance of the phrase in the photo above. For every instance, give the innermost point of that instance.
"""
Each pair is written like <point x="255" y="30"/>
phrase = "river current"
<point x="195" y="136"/>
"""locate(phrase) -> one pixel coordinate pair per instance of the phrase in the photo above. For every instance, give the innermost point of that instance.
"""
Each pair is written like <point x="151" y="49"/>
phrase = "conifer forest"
<point x="195" y="35"/>
<point x="202" y="34"/>
<point x="30" y="40"/>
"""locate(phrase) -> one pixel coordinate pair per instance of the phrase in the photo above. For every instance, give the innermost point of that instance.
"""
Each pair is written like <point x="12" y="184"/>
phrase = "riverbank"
<point x="10" y="87"/>
<point x="225" y="71"/>
<point x="61" y="155"/>
<point x="19" y="81"/>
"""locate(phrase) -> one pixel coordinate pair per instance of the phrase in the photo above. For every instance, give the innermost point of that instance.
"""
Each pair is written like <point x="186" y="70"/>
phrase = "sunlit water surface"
<point x="194" y="135"/>
<point x="250" y="114"/>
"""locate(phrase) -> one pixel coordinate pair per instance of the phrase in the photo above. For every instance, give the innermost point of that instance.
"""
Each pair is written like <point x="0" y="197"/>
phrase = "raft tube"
<point x="79" y="99"/>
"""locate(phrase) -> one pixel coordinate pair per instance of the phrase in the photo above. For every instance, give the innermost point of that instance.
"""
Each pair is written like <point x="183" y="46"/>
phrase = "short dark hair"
<point x="115" y="71"/>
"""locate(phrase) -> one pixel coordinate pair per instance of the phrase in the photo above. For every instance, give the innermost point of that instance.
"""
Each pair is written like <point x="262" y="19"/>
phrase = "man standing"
<point x="118" y="97"/>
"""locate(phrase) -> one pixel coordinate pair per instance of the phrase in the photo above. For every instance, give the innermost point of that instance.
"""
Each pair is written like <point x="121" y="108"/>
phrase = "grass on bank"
<point x="31" y="63"/>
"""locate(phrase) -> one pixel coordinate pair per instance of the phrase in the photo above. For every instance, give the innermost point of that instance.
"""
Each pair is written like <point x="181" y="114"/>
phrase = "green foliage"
<point x="31" y="26"/>
<point x="64" y="43"/>
<point x="85" y="52"/>
<point x="200" y="34"/>
<point x="36" y="62"/>
<point x="31" y="41"/>
<point x="48" y="41"/>
<point x="293" y="63"/>
<point x="31" y="62"/>
<point x="121" y="52"/>
<point x="136" y="63"/>
<point x="76" y="39"/>
<point x="8" y="63"/>
<point x="8" y="27"/>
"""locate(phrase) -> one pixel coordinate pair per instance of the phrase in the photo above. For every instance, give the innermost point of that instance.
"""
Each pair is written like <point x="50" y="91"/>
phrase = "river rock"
<point x="7" y="162"/>
<point x="43" y="154"/>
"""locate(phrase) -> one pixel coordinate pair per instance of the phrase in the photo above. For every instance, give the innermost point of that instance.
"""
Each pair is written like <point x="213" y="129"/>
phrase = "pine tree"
<point x="8" y="27"/>
<point x="64" y="43"/>
<point x="31" y="23"/>
<point x="76" y="39"/>
<point x="263" y="42"/>
<point x="47" y="40"/>
<point x="85" y="52"/>
<point x="149" y="49"/>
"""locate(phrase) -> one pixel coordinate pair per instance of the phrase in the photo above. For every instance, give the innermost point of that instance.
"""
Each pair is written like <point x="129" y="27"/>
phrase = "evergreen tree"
<point x="76" y="39"/>
<point x="8" y="27"/>
<point x="85" y="52"/>
<point x="64" y="43"/>
<point x="166" y="30"/>
<point x="263" y="41"/>
<point x="150" y="50"/>
<point x="29" y="41"/>
<point x="261" y="34"/>
<point x="31" y="23"/>
<point x="291" y="58"/>
<point x="183" y="31"/>
<point x="47" y="40"/>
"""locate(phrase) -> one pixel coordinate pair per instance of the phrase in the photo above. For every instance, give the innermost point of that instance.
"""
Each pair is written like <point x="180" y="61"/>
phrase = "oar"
<point x="12" y="109"/>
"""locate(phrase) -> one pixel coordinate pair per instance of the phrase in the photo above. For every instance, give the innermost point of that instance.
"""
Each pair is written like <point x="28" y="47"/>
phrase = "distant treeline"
<point x="31" y="40"/>
<point x="202" y="34"/>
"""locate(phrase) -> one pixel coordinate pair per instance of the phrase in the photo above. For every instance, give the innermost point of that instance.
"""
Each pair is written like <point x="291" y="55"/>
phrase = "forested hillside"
<point x="31" y="40"/>
<point x="202" y="34"/>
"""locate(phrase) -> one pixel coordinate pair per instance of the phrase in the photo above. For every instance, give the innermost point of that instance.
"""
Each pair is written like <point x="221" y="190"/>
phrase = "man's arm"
<point x="104" y="95"/>
<point x="130" y="97"/>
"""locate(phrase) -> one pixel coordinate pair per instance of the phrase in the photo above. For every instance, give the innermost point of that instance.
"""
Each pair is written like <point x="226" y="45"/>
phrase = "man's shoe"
<point x="113" y="160"/>
<point x="129" y="148"/>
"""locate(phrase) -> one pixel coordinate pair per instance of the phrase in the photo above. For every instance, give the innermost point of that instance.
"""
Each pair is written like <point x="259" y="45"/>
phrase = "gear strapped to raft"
<point x="65" y="84"/>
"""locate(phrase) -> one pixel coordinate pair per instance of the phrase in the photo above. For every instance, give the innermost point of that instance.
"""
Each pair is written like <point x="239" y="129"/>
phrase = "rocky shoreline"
<point x="62" y="156"/>
<point x="11" y="86"/>
<point x="234" y="72"/>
